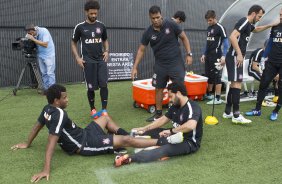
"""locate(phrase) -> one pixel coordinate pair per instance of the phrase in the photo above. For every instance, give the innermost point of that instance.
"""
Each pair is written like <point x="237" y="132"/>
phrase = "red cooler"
<point x="144" y="95"/>
<point x="196" y="86"/>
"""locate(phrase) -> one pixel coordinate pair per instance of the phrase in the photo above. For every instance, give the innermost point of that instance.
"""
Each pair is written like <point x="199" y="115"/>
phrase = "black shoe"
<point x="120" y="151"/>
<point x="244" y="95"/>
<point x="154" y="117"/>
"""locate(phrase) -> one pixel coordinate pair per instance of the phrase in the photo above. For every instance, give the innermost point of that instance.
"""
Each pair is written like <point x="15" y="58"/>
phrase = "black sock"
<point x="277" y="108"/>
<point x="276" y="92"/>
<point x="236" y="101"/>
<point x="229" y="101"/>
<point x="217" y="97"/>
<point x="159" y="112"/>
<point x="121" y="131"/>
<point x="104" y="97"/>
<point x="91" y="99"/>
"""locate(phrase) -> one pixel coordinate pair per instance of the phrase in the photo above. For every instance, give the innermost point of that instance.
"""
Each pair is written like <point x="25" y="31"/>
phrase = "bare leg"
<point x="106" y="122"/>
<point x="210" y="86"/>
<point x="218" y="89"/>
<point x="235" y="84"/>
<point x="127" y="141"/>
<point x="159" y="98"/>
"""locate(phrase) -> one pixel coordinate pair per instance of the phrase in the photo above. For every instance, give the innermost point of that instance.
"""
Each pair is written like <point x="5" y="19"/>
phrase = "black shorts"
<point x="163" y="74"/>
<point x="235" y="74"/>
<point x="96" y="142"/>
<point x="96" y="75"/>
<point x="214" y="75"/>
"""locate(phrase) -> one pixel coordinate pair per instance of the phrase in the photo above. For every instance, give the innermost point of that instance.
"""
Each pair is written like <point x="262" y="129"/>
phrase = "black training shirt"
<point x="164" y="43"/>
<point x="255" y="57"/>
<point x="91" y="37"/>
<point x="275" y="54"/>
<point x="181" y="115"/>
<point x="58" y="123"/>
<point x="245" y="28"/>
<point x="215" y="35"/>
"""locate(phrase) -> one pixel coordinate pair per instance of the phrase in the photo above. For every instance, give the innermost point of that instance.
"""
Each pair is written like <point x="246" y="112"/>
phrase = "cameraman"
<point x="45" y="53"/>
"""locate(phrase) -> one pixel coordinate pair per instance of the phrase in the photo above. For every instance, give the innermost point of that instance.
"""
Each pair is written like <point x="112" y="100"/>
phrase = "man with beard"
<point x="273" y="66"/>
<point x="163" y="36"/>
<point x="186" y="117"/>
<point x="234" y="60"/>
<point x="92" y="35"/>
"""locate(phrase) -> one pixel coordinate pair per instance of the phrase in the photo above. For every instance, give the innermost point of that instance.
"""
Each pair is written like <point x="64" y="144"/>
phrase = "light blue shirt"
<point x="44" y="36"/>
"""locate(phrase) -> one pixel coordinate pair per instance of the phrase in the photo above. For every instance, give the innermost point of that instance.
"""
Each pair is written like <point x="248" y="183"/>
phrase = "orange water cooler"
<point x="144" y="95"/>
<point x="196" y="86"/>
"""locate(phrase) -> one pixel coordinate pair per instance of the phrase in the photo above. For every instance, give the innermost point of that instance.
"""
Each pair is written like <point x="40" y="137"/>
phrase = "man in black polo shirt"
<point x="216" y="36"/>
<point x="186" y="117"/>
<point x="92" y="35"/>
<point x="163" y="36"/>
<point x="234" y="61"/>
<point x="90" y="141"/>
<point x="273" y="66"/>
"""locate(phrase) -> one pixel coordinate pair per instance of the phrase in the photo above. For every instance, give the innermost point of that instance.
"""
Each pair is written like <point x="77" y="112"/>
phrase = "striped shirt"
<point x="244" y="27"/>
<point x="58" y="123"/>
<point x="91" y="38"/>
<point x="215" y="35"/>
<point x="180" y="115"/>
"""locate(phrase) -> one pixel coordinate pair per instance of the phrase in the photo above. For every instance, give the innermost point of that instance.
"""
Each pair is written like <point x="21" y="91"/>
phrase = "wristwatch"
<point x="189" y="54"/>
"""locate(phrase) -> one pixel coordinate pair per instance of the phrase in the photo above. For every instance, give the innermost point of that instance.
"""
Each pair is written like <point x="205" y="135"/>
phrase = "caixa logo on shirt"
<point x="93" y="40"/>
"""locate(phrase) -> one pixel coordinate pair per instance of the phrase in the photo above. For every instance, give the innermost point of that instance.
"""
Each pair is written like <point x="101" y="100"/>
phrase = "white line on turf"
<point x="104" y="175"/>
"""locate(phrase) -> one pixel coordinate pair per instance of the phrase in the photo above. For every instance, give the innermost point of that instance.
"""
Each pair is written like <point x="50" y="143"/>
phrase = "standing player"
<point x="273" y="66"/>
<point x="256" y="67"/>
<point x="216" y="36"/>
<point x="186" y="117"/>
<point x="163" y="37"/>
<point x="92" y="35"/>
<point x="234" y="60"/>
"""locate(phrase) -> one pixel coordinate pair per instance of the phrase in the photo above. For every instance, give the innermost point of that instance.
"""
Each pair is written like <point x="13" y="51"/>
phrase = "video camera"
<point x="27" y="46"/>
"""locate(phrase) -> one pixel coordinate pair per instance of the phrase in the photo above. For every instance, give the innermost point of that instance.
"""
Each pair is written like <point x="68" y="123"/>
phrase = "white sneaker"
<point x="175" y="138"/>
<point x="216" y="102"/>
<point x="241" y="120"/>
<point x="227" y="116"/>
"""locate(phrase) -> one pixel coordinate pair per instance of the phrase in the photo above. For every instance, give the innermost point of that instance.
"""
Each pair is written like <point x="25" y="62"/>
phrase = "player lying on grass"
<point x="72" y="139"/>
<point x="186" y="117"/>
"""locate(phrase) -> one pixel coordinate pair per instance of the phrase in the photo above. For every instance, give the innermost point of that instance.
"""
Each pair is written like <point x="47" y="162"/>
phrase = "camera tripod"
<point x="35" y="74"/>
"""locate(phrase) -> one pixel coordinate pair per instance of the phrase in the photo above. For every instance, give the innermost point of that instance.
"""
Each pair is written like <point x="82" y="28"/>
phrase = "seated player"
<point x="186" y="117"/>
<point x="90" y="141"/>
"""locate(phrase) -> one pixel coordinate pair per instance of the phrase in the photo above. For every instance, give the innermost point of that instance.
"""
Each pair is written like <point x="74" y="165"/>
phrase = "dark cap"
<point x="29" y="27"/>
